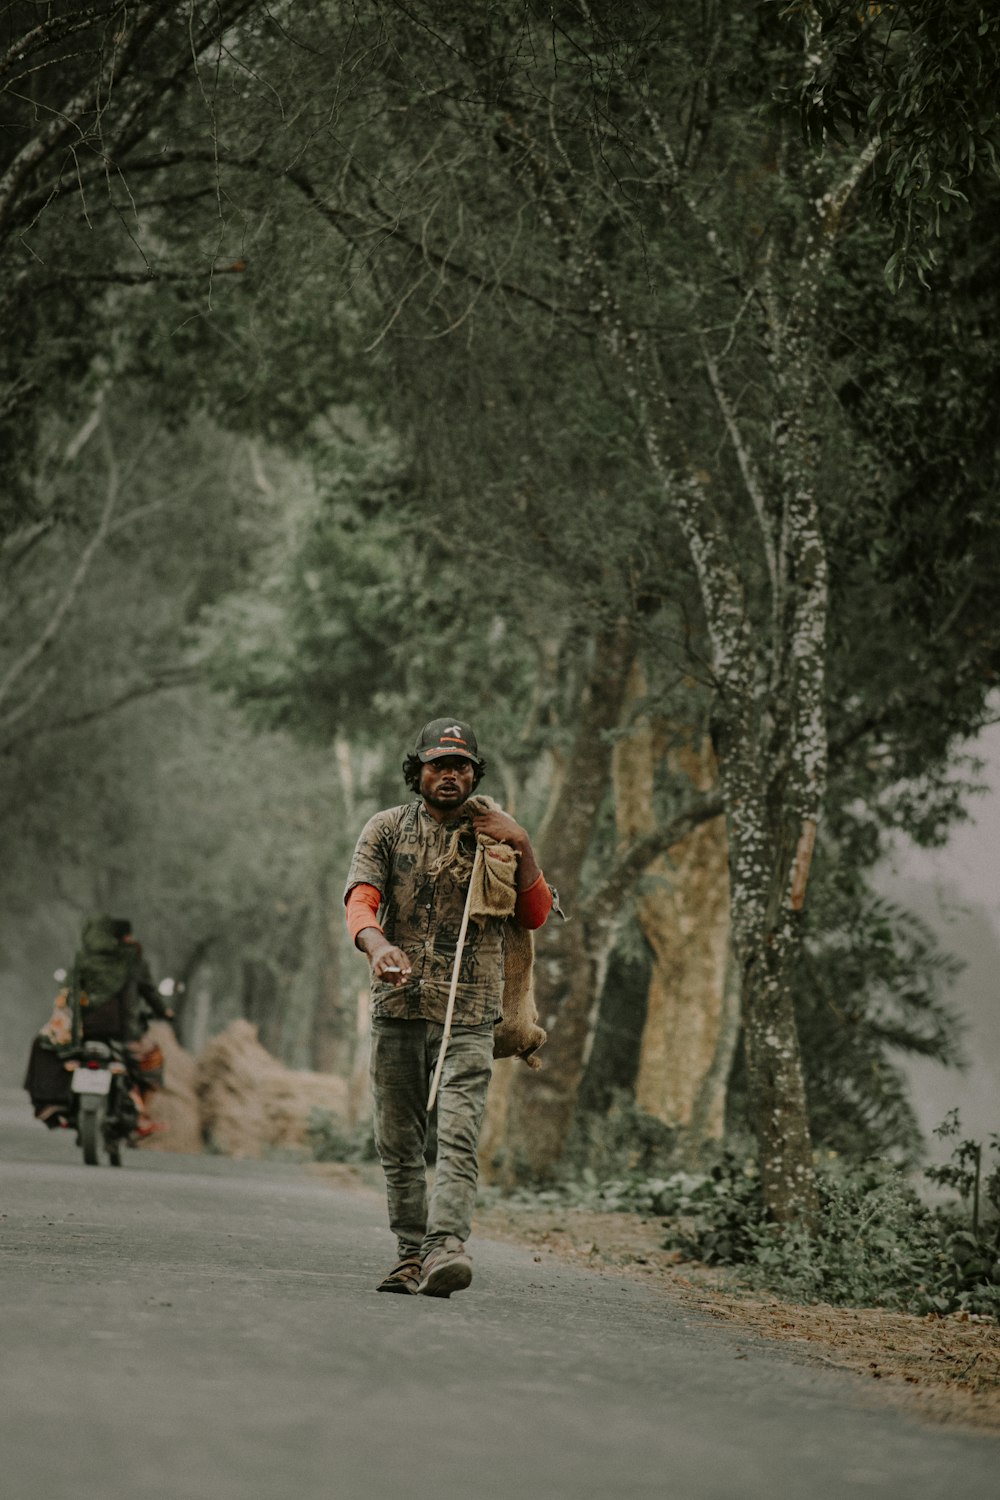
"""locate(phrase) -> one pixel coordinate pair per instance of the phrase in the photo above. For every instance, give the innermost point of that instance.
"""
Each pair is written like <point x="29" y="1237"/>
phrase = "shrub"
<point x="714" y="1216"/>
<point x="329" y="1139"/>
<point x="877" y="1245"/>
<point x="877" y="1242"/>
<point x="619" y="1140"/>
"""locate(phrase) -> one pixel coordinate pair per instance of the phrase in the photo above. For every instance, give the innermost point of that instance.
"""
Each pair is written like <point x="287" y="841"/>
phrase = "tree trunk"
<point x="261" y="1002"/>
<point x="359" y="1099"/>
<point x="541" y="1105"/>
<point x="198" y="1012"/>
<point x="708" y="1112"/>
<point x="334" y="1024"/>
<point x="570" y="955"/>
<point x="613" y="1063"/>
<point x="770" y="735"/>
<point x="766" y="935"/>
<point x="687" y="925"/>
<point x="684" y="914"/>
<point x="775" y="1088"/>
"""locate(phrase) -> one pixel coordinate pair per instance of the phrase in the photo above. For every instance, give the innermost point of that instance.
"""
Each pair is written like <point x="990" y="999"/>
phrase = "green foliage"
<point x="920" y="78"/>
<point x="329" y="1139"/>
<point x="877" y="1245"/>
<point x="387" y="235"/>
<point x="877" y="1242"/>
<point x="872" y="987"/>
<point x="964" y="1173"/>
<point x="381" y="603"/>
<point x="715" y="1214"/>
<point x="87" y="93"/>
<point x="917" y="546"/>
<point x="126" y="785"/>
<point x="619" y="1139"/>
<point x="309" y="645"/>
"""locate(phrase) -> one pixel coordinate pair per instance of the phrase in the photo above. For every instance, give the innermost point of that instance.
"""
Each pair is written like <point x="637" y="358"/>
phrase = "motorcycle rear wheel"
<point x="91" y="1120"/>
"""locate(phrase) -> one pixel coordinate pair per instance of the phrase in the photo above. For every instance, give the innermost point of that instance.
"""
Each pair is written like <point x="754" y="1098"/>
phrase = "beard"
<point x="446" y="803"/>
<point x="449" y="803"/>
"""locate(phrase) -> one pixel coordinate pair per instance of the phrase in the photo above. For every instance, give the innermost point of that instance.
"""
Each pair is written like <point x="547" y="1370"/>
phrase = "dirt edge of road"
<point x="942" y="1369"/>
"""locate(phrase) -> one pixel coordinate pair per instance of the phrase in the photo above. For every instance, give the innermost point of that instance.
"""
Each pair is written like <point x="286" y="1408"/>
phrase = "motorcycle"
<point x="102" y="1107"/>
<point x="95" y="1085"/>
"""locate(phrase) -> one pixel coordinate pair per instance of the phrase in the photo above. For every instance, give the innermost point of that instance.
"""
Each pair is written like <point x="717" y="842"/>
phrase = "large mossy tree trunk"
<point x="767" y="934"/>
<point x="760" y="560"/>
<point x="770" y="791"/>
<point x="769" y="732"/>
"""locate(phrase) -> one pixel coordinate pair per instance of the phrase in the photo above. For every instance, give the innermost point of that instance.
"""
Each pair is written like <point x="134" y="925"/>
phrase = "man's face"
<point x="447" y="782"/>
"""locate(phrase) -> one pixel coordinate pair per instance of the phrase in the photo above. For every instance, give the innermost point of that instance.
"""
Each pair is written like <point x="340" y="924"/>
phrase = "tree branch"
<point x="639" y="855"/>
<point x="145" y="278"/>
<point x="178" y="677"/>
<point x="55" y="29"/>
<point x="349" y="222"/>
<point x="747" y="464"/>
<point x="55" y="623"/>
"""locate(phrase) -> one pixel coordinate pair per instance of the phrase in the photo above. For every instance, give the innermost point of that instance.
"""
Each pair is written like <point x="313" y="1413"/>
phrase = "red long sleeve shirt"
<point x="530" y="910"/>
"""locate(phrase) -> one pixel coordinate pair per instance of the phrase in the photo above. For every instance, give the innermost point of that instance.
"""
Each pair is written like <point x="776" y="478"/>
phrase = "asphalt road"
<point x="201" y="1329"/>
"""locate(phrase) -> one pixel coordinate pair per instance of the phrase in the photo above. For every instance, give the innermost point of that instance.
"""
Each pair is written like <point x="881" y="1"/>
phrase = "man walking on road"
<point x="406" y="896"/>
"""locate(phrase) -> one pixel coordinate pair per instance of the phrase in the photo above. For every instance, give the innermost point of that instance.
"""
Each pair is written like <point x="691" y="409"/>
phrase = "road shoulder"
<point x="945" y="1370"/>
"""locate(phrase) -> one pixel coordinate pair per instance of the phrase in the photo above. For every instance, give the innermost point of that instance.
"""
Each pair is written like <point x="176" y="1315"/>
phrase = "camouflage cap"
<point x="443" y="737"/>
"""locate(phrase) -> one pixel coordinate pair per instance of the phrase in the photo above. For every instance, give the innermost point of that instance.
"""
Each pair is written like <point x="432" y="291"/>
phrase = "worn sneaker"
<point x="446" y="1269"/>
<point x="403" y="1277"/>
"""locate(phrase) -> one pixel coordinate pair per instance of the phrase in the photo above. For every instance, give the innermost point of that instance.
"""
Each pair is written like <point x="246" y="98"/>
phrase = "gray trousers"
<point x="403" y="1057"/>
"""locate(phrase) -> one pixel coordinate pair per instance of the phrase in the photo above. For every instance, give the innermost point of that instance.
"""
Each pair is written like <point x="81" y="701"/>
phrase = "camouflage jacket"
<point x="401" y="852"/>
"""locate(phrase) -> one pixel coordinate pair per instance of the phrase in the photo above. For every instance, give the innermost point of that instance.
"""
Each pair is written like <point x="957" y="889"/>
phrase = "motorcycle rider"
<point x="109" y="996"/>
<point x="116" y="997"/>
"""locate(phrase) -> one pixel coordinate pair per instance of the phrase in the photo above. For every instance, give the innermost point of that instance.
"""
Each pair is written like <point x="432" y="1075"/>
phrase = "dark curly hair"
<point x="413" y="765"/>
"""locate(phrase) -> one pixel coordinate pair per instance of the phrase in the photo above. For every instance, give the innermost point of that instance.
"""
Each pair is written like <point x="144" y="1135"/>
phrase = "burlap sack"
<point x="494" y="893"/>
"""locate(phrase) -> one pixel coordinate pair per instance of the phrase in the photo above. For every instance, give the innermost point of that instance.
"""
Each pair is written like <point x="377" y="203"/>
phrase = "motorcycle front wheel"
<point x="91" y="1120"/>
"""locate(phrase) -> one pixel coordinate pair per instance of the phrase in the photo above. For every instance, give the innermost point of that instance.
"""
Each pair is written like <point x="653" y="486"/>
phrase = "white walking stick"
<point x="450" y="1008"/>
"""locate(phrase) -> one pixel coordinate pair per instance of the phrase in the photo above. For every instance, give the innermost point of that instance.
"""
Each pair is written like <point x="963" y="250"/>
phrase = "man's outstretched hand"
<point x="390" y="965"/>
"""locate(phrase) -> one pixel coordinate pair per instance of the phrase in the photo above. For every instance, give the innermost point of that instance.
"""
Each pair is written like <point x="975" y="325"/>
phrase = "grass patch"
<point x="879" y="1243"/>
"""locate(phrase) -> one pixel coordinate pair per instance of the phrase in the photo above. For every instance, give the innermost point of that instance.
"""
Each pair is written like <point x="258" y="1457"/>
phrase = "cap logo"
<point x="453" y="730"/>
